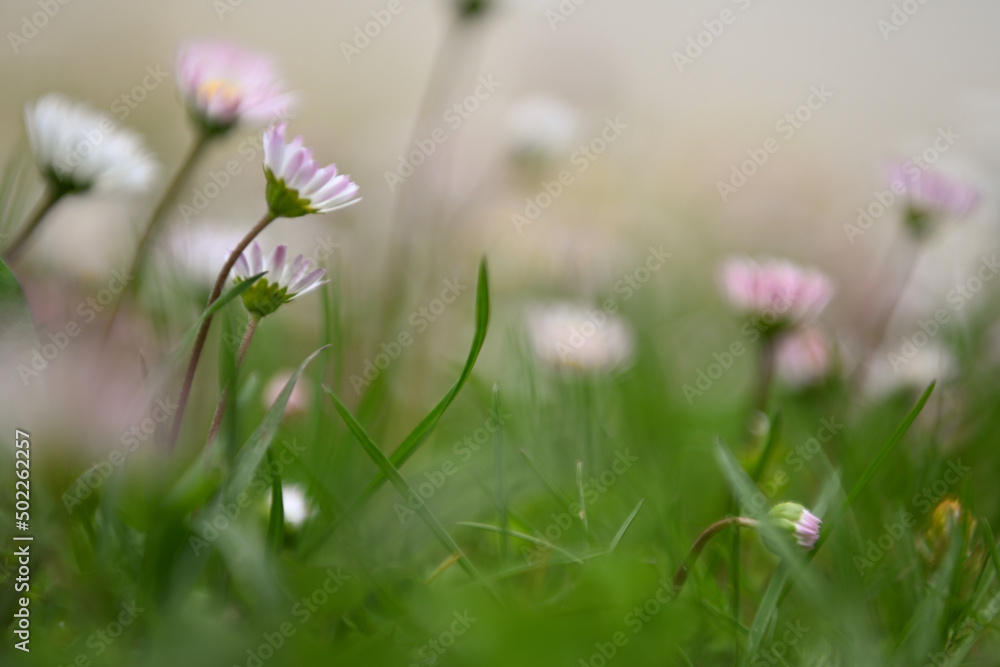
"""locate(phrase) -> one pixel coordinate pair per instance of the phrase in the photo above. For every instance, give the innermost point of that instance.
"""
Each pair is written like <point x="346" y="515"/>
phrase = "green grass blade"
<point x="250" y="456"/>
<point x="276" y="522"/>
<point x="498" y="475"/>
<point x="419" y="434"/>
<point x="765" y="612"/>
<point x="887" y="448"/>
<point x="521" y="536"/>
<point x="625" y="526"/>
<point x="392" y="474"/>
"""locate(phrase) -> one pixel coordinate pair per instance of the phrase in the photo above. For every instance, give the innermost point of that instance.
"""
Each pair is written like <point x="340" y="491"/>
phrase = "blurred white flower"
<point x="197" y="252"/>
<point x="909" y="367"/>
<point x="78" y="148"/>
<point x="295" y="504"/>
<point x="300" y="398"/>
<point x="803" y="357"/>
<point x="542" y="127"/>
<point x="566" y="336"/>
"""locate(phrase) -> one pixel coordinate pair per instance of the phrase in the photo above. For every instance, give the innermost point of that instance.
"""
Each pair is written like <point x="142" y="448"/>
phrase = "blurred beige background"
<point x="657" y="184"/>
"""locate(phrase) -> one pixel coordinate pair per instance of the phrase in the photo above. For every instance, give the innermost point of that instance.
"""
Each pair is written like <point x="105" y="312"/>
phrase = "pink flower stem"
<point x="199" y="343"/>
<point x="699" y="544"/>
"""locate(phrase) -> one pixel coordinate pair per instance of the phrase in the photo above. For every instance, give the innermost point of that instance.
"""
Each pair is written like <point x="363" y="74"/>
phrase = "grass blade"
<point x="392" y="474"/>
<point x="417" y="436"/>
<point x="276" y="522"/>
<point x="887" y="448"/>
<point x="250" y="456"/>
<point x="498" y="474"/>
<point x="628" y="522"/>
<point x="537" y="541"/>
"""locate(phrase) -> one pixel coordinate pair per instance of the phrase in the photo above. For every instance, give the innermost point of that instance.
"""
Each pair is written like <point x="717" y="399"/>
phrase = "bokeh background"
<point x="656" y="185"/>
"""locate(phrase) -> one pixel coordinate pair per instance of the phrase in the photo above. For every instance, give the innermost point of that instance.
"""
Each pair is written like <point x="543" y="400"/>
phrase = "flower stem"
<point x="199" y="343"/>
<point x="45" y="204"/>
<point x="765" y="373"/>
<point x="195" y="151"/>
<point x="220" y="409"/>
<point x="699" y="544"/>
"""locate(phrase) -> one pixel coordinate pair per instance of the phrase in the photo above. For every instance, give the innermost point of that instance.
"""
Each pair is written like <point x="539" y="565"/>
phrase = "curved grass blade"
<point x="260" y="440"/>
<point x="390" y="472"/>
<point x="417" y="436"/>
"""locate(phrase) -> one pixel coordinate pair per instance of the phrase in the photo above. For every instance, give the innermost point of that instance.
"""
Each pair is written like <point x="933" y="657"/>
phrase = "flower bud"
<point x="791" y="520"/>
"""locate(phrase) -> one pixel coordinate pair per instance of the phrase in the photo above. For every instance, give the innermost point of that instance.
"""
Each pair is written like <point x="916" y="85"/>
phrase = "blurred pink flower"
<point x="781" y="292"/>
<point x="296" y="185"/>
<point x="803" y="357"/>
<point x="223" y="84"/>
<point x="298" y="402"/>
<point x="931" y="193"/>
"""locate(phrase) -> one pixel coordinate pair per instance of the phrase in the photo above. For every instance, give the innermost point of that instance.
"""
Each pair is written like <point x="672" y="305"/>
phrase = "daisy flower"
<point x="932" y="195"/>
<point x="565" y="336"/>
<point x="781" y="293"/>
<point x="78" y="148"/>
<point x="296" y="186"/>
<point x="796" y="521"/>
<point x="223" y="84"/>
<point x="284" y="281"/>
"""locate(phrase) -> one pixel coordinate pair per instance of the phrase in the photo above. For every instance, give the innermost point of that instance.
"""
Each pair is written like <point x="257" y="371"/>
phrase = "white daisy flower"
<point x="78" y="148"/>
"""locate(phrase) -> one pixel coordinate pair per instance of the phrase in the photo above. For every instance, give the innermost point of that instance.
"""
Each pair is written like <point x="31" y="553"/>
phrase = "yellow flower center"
<point x="228" y="90"/>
